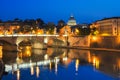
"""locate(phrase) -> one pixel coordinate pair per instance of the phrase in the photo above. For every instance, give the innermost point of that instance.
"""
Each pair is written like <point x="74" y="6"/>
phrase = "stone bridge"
<point x="15" y="40"/>
<point x="36" y="40"/>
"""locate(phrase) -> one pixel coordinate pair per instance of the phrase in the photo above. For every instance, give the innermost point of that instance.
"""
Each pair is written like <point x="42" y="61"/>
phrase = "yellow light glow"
<point x="1" y="51"/>
<point x="28" y="53"/>
<point x="40" y="31"/>
<point x="1" y="33"/>
<point x="105" y="34"/>
<point x="28" y="47"/>
<point x="96" y="32"/>
<point x="96" y="62"/>
<point x="76" y="30"/>
<point x="33" y="31"/>
<point x="77" y="64"/>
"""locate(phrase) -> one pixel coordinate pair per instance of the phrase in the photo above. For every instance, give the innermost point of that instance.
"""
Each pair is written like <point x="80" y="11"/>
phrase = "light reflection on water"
<point x="36" y="63"/>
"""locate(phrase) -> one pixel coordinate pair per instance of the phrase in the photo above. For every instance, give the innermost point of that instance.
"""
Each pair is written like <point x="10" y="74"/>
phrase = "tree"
<point x="50" y="27"/>
<point x="60" y="25"/>
<point x="17" y="20"/>
<point x="80" y="30"/>
<point x="40" y="23"/>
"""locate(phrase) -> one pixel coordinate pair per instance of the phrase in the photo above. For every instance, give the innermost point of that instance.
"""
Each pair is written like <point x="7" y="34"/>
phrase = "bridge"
<point x="37" y="40"/>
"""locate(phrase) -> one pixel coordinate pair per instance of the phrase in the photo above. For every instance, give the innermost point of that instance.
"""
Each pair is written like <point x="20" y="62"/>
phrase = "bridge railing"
<point x="16" y="35"/>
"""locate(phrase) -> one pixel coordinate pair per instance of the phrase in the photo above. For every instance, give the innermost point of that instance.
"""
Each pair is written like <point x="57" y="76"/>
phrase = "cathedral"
<point x="71" y="21"/>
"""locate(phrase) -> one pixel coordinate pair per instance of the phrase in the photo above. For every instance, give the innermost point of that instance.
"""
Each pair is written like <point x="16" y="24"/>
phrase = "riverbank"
<point x="14" y="48"/>
<point x="86" y="48"/>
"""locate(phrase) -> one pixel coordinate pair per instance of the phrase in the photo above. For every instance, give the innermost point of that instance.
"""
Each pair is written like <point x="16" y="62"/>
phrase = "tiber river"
<point x="61" y="64"/>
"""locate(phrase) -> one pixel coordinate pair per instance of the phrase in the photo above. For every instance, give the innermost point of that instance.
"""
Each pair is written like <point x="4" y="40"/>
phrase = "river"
<point x="61" y="64"/>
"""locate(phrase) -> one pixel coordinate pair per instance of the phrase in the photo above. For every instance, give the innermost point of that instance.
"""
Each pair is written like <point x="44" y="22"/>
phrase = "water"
<point x="61" y="64"/>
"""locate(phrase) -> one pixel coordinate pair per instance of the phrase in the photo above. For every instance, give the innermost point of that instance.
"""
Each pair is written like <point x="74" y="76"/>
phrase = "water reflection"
<point x="1" y="53"/>
<point x="18" y="74"/>
<point x="31" y="68"/>
<point x="52" y="58"/>
<point x="37" y="70"/>
<point x="76" y="64"/>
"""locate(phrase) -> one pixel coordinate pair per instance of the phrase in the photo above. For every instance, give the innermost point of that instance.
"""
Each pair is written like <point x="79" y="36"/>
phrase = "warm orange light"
<point x="18" y="27"/>
<point x="118" y="63"/>
<point x="1" y="32"/>
<point x="20" y="33"/>
<point x="94" y="38"/>
<point x="96" y="62"/>
<point x="28" y="50"/>
<point x="1" y="52"/>
<point x="89" y="58"/>
<point x="33" y="31"/>
<point x="28" y="53"/>
<point x="105" y="34"/>
<point x="40" y="31"/>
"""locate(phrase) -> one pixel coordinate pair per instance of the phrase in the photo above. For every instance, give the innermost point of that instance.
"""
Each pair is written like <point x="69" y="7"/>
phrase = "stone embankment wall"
<point x="110" y="42"/>
<point x="83" y="41"/>
<point x="105" y="42"/>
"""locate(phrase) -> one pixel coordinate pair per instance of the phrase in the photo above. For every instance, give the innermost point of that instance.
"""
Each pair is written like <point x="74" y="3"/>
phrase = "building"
<point x="108" y="26"/>
<point x="71" y="21"/>
<point x="1" y="28"/>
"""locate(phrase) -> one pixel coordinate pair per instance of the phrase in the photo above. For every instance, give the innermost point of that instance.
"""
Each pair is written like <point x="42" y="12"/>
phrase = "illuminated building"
<point x="71" y="21"/>
<point x="108" y="26"/>
<point x="13" y="27"/>
<point x="1" y="26"/>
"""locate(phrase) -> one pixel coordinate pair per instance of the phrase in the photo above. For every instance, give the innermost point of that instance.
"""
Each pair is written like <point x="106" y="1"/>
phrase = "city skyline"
<point x="84" y="11"/>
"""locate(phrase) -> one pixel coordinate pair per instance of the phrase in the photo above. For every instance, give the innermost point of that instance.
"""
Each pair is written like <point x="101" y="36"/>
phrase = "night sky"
<point x="84" y="11"/>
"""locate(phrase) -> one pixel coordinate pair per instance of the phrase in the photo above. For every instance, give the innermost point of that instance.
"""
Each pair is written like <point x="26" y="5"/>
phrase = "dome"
<point x="71" y="21"/>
